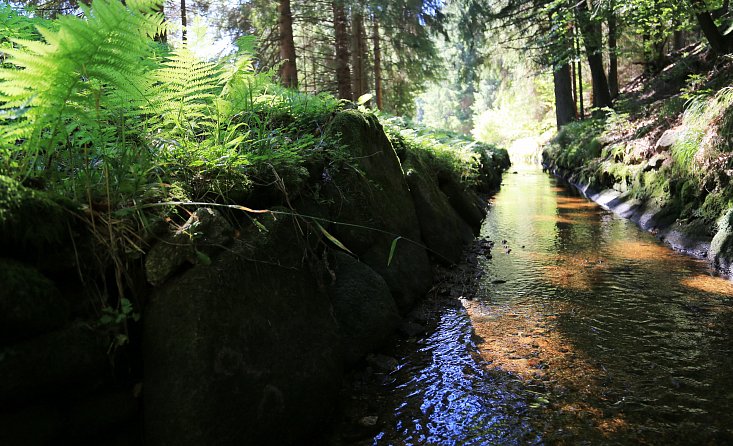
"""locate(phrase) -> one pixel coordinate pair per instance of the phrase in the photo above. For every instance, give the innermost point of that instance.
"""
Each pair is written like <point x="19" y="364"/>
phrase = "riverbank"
<point x="661" y="158"/>
<point x="574" y="326"/>
<point x="239" y="316"/>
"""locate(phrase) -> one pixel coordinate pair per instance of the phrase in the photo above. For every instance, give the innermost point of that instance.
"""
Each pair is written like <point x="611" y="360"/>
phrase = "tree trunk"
<point x="564" y="105"/>
<point x="288" y="70"/>
<point x="719" y="43"/>
<point x="343" y="74"/>
<point x="184" y="21"/>
<point x="678" y="40"/>
<point x="612" y="53"/>
<point x="574" y="76"/>
<point x="377" y="65"/>
<point x="593" y="38"/>
<point x="358" y="54"/>
<point x="579" y="70"/>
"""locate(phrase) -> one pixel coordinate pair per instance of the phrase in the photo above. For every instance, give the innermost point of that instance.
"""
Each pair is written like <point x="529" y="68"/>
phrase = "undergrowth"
<point x="447" y="153"/>
<point x="93" y="109"/>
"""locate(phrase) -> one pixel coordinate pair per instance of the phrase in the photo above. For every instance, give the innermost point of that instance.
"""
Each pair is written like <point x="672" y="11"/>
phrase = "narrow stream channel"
<point x="583" y="330"/>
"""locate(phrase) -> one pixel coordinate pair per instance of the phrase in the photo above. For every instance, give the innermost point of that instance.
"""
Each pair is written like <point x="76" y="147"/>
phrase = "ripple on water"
<point x="599" y="335"/>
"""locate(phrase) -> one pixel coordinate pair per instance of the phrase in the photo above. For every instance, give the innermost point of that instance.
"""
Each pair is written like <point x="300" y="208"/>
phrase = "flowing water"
<point x="583" y="329"/>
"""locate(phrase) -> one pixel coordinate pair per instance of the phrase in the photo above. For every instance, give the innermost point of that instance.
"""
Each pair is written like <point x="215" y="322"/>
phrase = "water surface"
<point x="583" y="329"/>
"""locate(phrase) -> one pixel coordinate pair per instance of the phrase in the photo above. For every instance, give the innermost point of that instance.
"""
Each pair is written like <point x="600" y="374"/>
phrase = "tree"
<point x="288" y="70"/>
<point x="378" y="94"/>
<point x="359" y="53"/>
<point x="719" y="42"/>
<point x="341" y="40"/>
<point x="590" y="28"/>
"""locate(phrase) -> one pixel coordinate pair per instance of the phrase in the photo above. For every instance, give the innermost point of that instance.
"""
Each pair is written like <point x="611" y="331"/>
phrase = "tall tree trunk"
<point x="678" y="40"/>
<point x="288" y="70"/>
<point x="720" y="43"/>
<point x="579" y="70"/>
<point x="343" y="74"/>
<point x="377" y="65"/>
<point x="564" y="105"/>
<point x="358" y="54"/>
<point x="574" y="76"/>
<point x="612" y="53"/>
<point x="593" y="38"/>
<point x="184" y="21"/>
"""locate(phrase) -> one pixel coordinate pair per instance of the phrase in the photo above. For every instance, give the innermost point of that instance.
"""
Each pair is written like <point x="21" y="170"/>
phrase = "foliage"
<point x="93" y="109"/>
<point x="577" y="143"/>
<point x="448" y="153"/>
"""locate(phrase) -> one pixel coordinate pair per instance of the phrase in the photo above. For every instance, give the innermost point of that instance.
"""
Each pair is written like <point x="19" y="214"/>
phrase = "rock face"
<point x="443" y="230"/>
<point x="247" y="325"/>
<point x="243" y="348"/>
<point x="362" y="305"/>
<point x="30" y="304"/>
<point x="251" y="346"/>
<point x="380" y="204"/>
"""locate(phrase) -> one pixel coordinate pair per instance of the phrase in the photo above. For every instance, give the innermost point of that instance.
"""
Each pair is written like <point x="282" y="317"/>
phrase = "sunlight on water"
<point x="709" y="284"/>
<point x="583" y="329"/>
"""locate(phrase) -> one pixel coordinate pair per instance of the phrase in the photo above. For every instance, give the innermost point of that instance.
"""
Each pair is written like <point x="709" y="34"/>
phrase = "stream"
<point x="577" y="328"/>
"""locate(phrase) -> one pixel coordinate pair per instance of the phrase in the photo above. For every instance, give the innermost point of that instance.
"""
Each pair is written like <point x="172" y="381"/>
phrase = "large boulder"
<point x="244" y="350"/>
<point x="721" y="247"/>
<point x="443" y="230"/>
<point x="35" y="226"/>
<point x="30" y="304"/>
<point x="362" y="305"/>
<point x="469" y="206"/>
<point x="204" y="234"/>
<point x="377" y="207"/>
<point x="54" y="363"/>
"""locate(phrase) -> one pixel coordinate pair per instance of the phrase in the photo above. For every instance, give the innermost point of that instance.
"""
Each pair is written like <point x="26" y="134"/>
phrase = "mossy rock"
<point x="721" y="247"/>
<point x="443" y="230"/>
<point x="33" y="224"/>
<point x="30" y="304"/>
<point x="56" y="363"/>
<point x="493" y="163"/>
<point x="374" y="201"/>
<point x="469" y="206"/>
<point x="362" y="305"/>
<point x="245" y="348"/>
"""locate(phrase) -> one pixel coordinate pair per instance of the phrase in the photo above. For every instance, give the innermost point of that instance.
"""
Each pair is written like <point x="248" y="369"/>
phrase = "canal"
<point x="577" y="327"/>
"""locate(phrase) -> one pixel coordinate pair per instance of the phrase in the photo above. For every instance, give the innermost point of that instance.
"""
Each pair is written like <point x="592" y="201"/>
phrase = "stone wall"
<point x="249" y="320"/>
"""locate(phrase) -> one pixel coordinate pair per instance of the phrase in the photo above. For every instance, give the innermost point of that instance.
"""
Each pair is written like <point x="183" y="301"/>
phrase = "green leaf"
<point x="363" y="99"/>
<point x="392" y="249"/>
<point x="333" y="239"/>
<point x="203" y="258"/>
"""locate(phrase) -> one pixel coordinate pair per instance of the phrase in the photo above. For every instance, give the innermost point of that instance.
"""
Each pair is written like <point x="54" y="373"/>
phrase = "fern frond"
<point x="69" y="76"/>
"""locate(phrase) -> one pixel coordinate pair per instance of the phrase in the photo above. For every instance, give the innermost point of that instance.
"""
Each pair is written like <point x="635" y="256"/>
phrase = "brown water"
<point x="600" y="335"/>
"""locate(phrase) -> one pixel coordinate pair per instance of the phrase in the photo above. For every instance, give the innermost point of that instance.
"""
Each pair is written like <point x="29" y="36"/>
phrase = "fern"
<point x="183" y="91"/>
<point x="69" y="85"/>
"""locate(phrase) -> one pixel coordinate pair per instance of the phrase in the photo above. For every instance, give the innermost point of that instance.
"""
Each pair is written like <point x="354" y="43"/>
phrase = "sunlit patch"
<point x="558" y="189"/>
<point x="580" y="204"/>
<point x="639" y="250"/>
<point x="526" y="342"/>
<point x="575" y="272"/>
<point x="607" y="425"/>
<point x="517" y="340"/>
<point x="709" y="284"/>
<point x="554" y="219"/>
<point x="569" y="278"/>
<point x="561" y="199"/>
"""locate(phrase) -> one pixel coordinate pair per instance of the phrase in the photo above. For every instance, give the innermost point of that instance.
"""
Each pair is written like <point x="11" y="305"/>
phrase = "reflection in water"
<point x="589" y="332"/>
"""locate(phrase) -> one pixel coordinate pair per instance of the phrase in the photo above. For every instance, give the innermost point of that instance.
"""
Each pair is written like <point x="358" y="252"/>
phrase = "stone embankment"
<point x="248" y="321"/>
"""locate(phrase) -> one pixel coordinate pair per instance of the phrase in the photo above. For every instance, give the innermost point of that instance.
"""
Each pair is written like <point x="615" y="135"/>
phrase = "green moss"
<point x="31" y="219"/>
